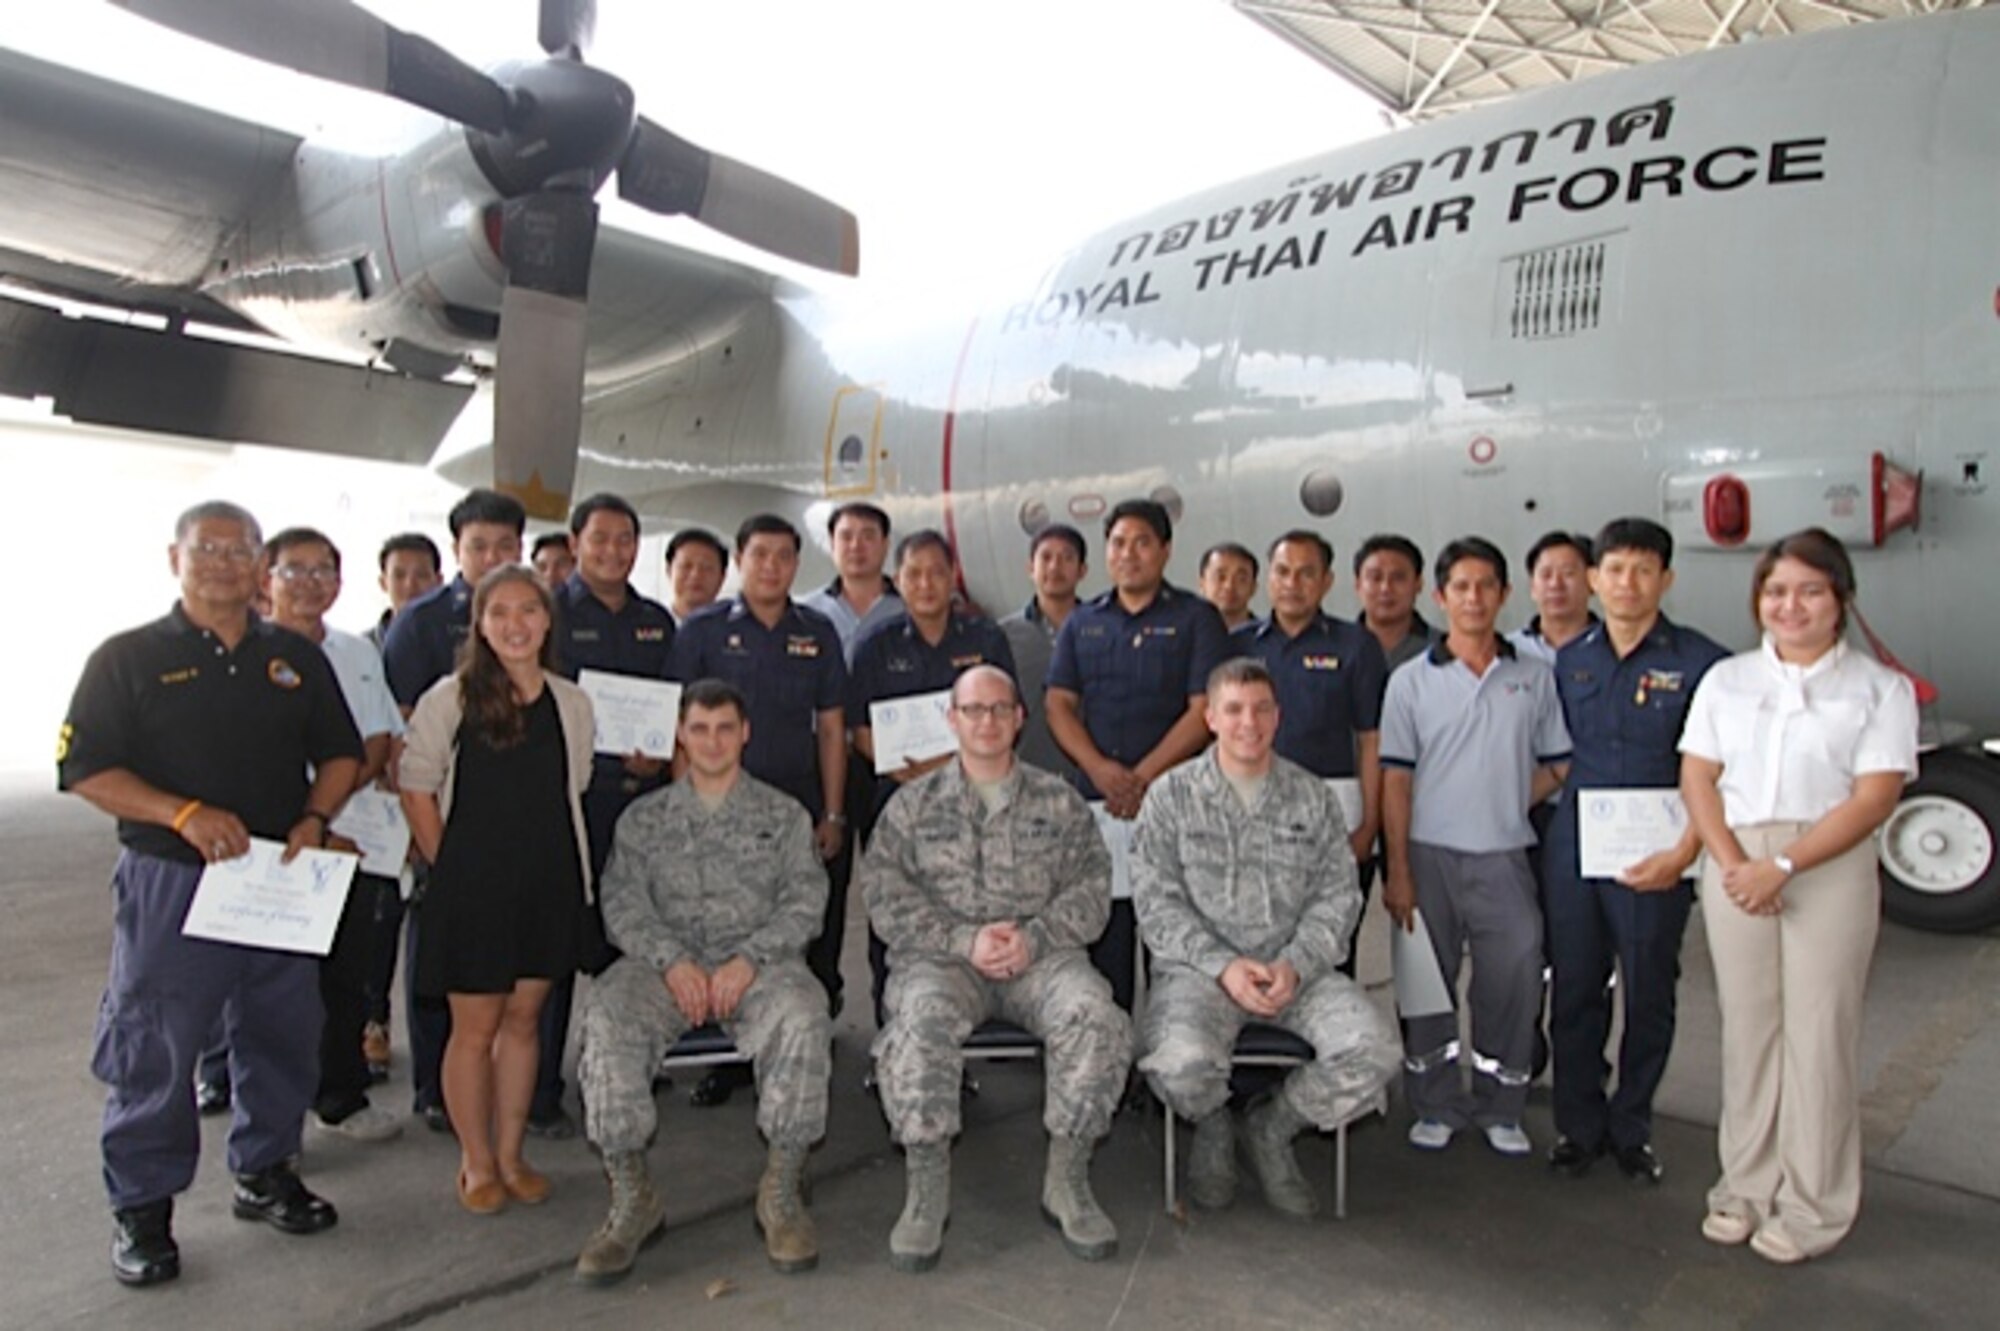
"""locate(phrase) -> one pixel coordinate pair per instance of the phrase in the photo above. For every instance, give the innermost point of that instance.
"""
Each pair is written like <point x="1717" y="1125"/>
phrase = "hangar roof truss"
<point x="1427" y="58"/>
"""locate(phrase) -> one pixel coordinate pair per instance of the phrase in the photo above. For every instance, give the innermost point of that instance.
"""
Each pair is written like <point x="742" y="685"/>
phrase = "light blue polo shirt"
<point x="1473" y="743"/>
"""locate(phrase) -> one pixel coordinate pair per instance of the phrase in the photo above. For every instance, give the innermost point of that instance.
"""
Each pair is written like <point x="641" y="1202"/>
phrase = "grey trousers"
<point x="1487" y="903"/>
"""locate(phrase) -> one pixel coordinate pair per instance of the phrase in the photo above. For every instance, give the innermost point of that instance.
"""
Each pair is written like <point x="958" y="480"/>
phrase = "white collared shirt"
<point x="1791" y="739"/>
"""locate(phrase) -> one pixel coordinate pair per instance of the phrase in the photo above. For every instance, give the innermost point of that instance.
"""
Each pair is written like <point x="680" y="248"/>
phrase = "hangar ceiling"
<point x="1427" y="58"/>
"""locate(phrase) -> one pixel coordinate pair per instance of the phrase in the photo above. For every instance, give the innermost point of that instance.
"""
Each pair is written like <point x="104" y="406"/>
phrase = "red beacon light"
<point x="1725" y="510"/>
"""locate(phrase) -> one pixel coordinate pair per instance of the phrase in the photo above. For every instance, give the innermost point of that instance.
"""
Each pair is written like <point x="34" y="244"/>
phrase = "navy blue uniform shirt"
<point x="636" y="640"/>
<point x="1330" y="679"/>
<point x="893" y="661"/>
<point x="1625" y="716"/>
<point x="1135" y="673"/>
<point x="422" y="645"/>
<point x="790" y="673"/>
<point x="234" y="729"/>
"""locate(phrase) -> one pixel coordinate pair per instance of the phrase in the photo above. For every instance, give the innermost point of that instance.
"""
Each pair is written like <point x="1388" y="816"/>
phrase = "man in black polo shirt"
<point x="1330" y="676"/>
<point x="605" y="626"/>
<point x="1126" y="695"/>
<point x="787" y="661"/>
<point x="196" y="732"/>
<point x="422" y="648"/>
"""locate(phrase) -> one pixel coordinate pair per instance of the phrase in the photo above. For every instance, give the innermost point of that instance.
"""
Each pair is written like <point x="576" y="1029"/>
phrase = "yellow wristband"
<point x="188" y="811"/>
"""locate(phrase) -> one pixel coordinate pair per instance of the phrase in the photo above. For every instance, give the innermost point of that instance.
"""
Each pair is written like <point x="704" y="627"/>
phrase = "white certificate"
<point x="1618" y="828"/>
<point x="911" y="729"/>
<point x="1420" y="986"/>
<point x="255" y="900"/>
<point x="1117" y="834"/>
<point x="373" y="820"/>
<point x="633" y="715"/>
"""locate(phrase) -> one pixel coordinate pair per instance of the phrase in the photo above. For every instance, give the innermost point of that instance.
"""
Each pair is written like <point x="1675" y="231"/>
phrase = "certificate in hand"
<point x="256" y="900"/>
<point x="911" y="729"/>
<point x="1618" y="828"/>
<point x="373" y="820"/>
<point x="633" y="715"/>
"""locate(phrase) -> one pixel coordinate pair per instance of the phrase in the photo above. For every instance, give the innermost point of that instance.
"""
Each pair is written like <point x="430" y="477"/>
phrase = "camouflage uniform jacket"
<point x="684" y="884"/>
<point x="941" y="866"/>
<point x="1213" y="881"/>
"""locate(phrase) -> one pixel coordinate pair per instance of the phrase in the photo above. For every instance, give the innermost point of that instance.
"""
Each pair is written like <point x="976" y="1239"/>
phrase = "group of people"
<point x="1146" y="766"/>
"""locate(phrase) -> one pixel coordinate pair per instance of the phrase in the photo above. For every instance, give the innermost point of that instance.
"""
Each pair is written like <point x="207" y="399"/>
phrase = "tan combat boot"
<point x="918" y="1238"/>
<point x="790" y="1240"/>
<point x="636" y="1219"/>
<point x="1068" y="1203"/>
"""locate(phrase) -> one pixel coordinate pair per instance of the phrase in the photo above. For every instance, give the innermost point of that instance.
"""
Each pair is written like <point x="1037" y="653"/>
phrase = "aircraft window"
<point x="1321" y="493"/>
<point x="850" y="451"/>
<point x="1034" y="516"/>
<point x="1170" y="499"/>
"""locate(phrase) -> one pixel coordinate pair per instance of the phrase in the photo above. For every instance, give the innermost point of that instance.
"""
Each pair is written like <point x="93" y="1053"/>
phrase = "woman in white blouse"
<point x="1793" y="754"/>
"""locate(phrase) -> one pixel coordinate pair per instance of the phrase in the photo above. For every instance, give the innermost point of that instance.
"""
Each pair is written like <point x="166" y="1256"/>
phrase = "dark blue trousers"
<point x="1594" y="925"/>
<point x="160" y="1004"/>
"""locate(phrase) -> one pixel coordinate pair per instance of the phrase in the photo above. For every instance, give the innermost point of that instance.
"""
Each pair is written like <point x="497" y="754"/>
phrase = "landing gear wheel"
<point x="1940" y="850"/>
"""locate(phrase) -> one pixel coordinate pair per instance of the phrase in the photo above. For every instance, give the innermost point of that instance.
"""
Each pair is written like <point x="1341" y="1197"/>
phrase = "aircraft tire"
<point x="1939" y="852"/>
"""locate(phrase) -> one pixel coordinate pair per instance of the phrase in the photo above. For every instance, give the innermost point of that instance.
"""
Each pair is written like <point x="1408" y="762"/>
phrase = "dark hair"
<point x="766" y="524"/>
<point x="1240" y="670"/>
<point x="712" y="693"/>
<point x="217" y="510"/>
<point x="1061" y="531"/>
<point x="1816" y="548"/>
<point x="1641" y="534"/>
<point x="549" y="538"/>
<point x="1469" y="547"/>
<point x="925" y="538"/>
<point x="412" y="542"/>
<point x="1302" y="536"/>
<point x="292" y="536"/>
<point x="485" y="691"/>
<point x="697" y="536"/>
<point x="1398" y="545"/>
<point x="487" y="506"/>
<point x="1149" y="511"/>
<point x="1227" y="548"/>
<point x="1556" y="540"/>
<point x="857" y="508"/>
<point x="600" y="503"/>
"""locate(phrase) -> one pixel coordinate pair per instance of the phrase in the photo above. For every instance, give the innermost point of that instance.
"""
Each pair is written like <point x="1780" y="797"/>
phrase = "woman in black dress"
<point x="492" y="780"/>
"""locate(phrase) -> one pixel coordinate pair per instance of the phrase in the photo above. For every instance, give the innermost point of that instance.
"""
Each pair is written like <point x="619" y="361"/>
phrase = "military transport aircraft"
<point x="1741" y="292"/>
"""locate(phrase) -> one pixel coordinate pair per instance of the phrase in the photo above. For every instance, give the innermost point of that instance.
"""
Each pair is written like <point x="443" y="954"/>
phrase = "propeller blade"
<point x="546" y="241"/>
<point x="665" y="173"/>
<point x="343" y="43"/>
<point x="567" y="26"/>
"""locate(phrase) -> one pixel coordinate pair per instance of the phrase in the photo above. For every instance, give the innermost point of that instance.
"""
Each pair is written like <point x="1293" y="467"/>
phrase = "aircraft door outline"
<point x="854" y="440"/>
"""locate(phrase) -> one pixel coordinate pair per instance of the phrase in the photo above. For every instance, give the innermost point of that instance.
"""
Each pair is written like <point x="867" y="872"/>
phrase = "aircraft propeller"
<point x="547" y="134"/>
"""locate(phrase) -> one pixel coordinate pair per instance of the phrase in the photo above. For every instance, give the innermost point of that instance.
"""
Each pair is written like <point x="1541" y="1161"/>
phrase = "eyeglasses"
<point x="324" y="574"/>
<point x="213" y="552"/>
<point x="976" y="712"/>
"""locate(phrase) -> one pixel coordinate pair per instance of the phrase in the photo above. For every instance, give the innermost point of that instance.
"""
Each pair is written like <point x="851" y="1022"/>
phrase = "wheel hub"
<point x="1935" y="844"/>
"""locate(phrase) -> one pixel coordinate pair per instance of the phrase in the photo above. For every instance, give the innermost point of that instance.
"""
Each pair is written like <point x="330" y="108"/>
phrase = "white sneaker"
<point x="1508" y="1139"/>
<point x="364" y="1125"/>
<point x="1727" y="1227"/>
<point x="1427" y="1134"/>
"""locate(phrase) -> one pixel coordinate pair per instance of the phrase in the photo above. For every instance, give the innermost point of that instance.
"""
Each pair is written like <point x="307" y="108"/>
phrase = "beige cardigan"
<point x="430" y="753"/>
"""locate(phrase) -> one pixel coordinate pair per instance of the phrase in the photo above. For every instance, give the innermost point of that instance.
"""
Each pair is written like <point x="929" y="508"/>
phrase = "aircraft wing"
<point x="126" y="199"/>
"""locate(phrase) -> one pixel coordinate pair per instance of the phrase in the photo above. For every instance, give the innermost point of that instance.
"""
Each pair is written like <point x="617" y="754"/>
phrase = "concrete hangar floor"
<point x="1461" y="1239"/>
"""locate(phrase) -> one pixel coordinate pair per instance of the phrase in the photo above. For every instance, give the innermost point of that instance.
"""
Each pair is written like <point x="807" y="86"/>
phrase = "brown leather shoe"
<point x="527" y="1186"/>
<point x="488" y="1198"/>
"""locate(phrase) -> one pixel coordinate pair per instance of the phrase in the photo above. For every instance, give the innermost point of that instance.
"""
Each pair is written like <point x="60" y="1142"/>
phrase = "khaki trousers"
<point x="1791" y="986"/>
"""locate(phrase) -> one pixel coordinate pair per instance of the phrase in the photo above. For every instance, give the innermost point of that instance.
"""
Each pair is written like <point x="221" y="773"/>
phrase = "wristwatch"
<point x="1785" y="865"/>
<point x="835" y="817"/>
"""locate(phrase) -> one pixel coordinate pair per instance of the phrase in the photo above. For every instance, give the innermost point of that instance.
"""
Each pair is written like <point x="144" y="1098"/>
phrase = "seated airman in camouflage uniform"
<point x="988" y="880"/>
<point x="712" y="892"/>
<point x="1244" y="887"/>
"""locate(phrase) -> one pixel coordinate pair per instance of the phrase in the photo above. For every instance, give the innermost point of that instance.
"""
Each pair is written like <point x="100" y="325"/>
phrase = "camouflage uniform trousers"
<point x="630" y="1021"/>
<point x="1191" y="1026"/>
<point x="934" y="1002"/>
